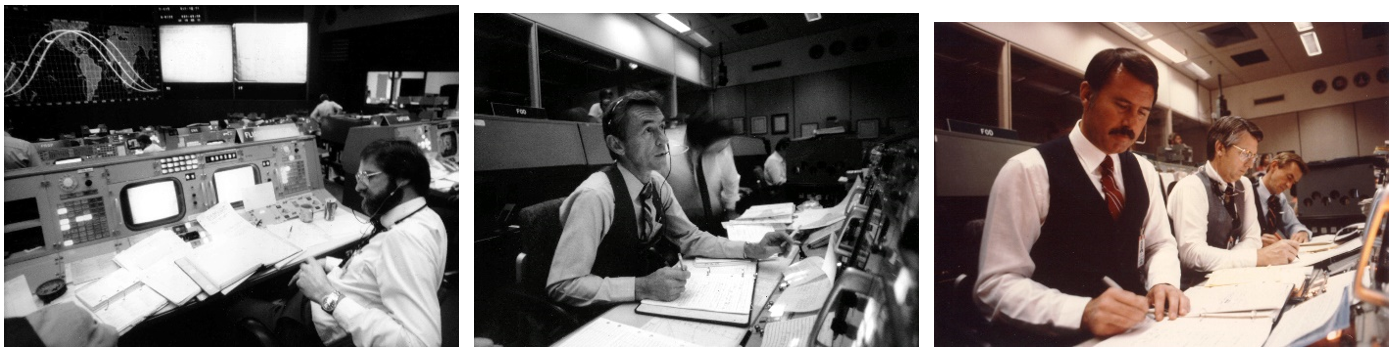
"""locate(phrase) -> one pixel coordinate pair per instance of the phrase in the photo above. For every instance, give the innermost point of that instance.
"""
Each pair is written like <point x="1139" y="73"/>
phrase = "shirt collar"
<point x="401" y="211"/>
<point x="631" y="183"/>
<point x="1088" y="154"/>
<point x="1214" y="175"/>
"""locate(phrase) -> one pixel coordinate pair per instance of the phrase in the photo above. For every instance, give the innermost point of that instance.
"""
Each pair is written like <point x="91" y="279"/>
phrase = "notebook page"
<point x="703" y="334"/>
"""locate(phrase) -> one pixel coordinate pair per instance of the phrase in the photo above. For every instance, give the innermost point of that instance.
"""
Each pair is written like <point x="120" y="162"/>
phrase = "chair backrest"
<point x="540" y="226"/>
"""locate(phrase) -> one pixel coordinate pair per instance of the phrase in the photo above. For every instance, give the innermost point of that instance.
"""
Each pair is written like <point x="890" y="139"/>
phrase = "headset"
<point x="609" y="127"/>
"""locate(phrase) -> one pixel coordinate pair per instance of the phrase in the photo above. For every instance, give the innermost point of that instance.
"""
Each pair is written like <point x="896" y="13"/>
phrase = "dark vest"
<point x="1219" y="225"/>
<point x="622" y="253"/>
<point x="1080" y="242"/>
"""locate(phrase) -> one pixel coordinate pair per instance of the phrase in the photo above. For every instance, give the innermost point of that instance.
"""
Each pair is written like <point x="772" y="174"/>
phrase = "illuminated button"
<point x="63" y="221"/>
<point x="84" y="217"/>
<point x="67" y="243"/>
<point x="64" y="226"/>
<point x="62" y="211"/>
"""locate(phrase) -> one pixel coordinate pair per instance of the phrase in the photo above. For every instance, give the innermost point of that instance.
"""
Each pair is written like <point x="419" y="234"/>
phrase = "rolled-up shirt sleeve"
<point x="586" y="218"/>
<point x="1163" y="263"/>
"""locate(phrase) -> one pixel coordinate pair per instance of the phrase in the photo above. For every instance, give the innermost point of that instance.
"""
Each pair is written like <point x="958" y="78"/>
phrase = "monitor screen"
<point x="271" y="52"/>
<point x="196" y="53"/>
<point x="148" y="203"/>
<point x="229" y="183"/>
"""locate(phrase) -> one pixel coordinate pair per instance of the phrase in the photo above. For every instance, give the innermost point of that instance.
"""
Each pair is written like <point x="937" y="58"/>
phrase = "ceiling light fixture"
<point x="1135" y="29"/>
<point x="700" y="39"/>
<point x="1167" y="50"/>
<point x="673" y="23"/>
<point x="813" y="16"/>
<point x="1199" y="72"/>
<point x="1303" y="26"/>
<point x="1309" y="41"/>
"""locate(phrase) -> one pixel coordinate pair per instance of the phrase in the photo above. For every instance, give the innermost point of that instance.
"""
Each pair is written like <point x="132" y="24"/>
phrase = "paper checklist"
<point x="603" y="332"/>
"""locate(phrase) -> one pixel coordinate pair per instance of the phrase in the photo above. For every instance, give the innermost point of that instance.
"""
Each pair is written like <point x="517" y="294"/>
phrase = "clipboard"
<point x="734" y="319"/>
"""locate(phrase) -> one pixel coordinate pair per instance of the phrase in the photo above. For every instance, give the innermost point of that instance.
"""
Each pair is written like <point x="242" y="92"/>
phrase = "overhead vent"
<point x="750" y="26"/>
<point x="1272" y="99"/>
<point x="1228" y="34"/>
<point x="767" y="65"/>
<point x="1374" y="29"/>
<point x="1250" y="58"/>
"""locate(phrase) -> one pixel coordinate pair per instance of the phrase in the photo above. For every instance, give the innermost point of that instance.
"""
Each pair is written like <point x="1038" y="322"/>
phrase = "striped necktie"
<point x="645" y="210"/>
<point x="1111" y="192"/>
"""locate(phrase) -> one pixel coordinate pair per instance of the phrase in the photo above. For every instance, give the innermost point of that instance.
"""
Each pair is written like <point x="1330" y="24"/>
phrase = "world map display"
<point x="63" y="62"/>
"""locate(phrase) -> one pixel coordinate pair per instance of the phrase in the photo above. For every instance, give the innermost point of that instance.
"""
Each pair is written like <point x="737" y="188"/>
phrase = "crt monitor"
<point x="152" y="203"/>
<point x="448" y="141"/>
<point x="230" y="182"/>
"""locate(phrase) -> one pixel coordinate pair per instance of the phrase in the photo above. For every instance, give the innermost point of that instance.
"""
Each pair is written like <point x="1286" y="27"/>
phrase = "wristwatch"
<point x="331" y="301"/>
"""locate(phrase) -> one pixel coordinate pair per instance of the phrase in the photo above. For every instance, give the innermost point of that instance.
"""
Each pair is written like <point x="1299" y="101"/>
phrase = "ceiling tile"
<point x="1360" y="48"/>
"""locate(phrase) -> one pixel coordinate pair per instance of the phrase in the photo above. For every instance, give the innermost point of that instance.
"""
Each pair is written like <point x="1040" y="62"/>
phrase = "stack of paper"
<point x="238" y="249"/>
<point x="751" y="233"/>
<point x="1244" y="298"/>
<point x="794" y="332"/>
<point x="607" y="333"/>
<point x="1312" y="320"/>
<point x="816" y="218"/>
<point x="120" y="299"/>
<point x="782" y="213"/>
<point x="1284" y="274"/>
<point x="19" y="300"/>
<point x="89" y="269"/>
<point x="703" y="262"/>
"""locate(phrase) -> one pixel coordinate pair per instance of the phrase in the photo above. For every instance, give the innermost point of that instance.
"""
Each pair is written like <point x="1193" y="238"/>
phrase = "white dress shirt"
<point x="774" y="169"/>
<point x="588" y="213"/>
<point x="719" y="169"/>
<point x="1189" y="209"/>
<point x="325" y="108"/>
<point x="1017" y="207"/>
<point x="390" y="286"/>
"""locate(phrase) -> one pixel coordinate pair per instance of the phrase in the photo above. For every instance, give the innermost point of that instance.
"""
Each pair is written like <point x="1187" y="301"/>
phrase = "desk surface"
<point x="337" y="242"/>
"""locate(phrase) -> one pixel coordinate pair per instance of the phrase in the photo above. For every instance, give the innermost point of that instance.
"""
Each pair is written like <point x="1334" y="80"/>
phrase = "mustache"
<point x="1124" y="131"/>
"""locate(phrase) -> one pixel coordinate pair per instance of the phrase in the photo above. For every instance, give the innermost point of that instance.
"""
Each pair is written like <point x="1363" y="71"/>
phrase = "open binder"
<point x="721" y="294"/>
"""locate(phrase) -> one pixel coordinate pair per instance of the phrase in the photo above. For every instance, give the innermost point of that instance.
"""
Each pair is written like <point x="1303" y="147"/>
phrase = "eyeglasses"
<point x="363" y="176"/>
<point x="1248" y="155"/>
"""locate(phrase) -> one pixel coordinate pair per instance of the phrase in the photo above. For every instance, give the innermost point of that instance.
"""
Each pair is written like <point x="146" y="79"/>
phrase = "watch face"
<point x="1339" y="83"/>
<point x="1319" y="86"/>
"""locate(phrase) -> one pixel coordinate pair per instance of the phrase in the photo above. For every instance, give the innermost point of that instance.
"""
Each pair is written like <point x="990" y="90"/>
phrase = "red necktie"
<point x="1111" y="192"/>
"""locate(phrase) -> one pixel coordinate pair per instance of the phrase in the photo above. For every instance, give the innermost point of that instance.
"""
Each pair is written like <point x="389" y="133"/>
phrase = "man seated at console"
<point x="1214" y="210"/>
<point x="618" y="223"/>
<point x="384" y="293"/>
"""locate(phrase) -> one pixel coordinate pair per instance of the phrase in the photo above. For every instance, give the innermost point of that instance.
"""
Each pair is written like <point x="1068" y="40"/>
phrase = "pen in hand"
<point x="681" y="266"/>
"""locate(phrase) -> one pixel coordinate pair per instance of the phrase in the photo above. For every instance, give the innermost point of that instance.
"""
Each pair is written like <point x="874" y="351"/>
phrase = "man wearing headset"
<point x="618" y="221"/>
<point x="384" y="293"/>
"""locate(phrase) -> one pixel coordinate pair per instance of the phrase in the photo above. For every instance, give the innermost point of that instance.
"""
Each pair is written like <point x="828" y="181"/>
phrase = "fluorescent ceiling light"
<point x="1167" y="50"/>
<point x="1309" y="41"/>
<point x="700" y="39"/>
<point x="1303" y="26"/>
<point x="1199" y="72"/>
<point x="813" y="16"/>
<point x="1135" y="29"/>
<point x="673" y="23"/>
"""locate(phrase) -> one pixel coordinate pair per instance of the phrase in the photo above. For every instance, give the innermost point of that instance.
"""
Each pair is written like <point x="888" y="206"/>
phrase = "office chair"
<point x="527" y="311"/>
<point x="960" y="323"/>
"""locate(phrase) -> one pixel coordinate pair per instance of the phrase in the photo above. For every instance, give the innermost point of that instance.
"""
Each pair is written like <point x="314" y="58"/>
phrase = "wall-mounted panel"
<point x="1280" y="133"/>
<point x="1326" y="132"/>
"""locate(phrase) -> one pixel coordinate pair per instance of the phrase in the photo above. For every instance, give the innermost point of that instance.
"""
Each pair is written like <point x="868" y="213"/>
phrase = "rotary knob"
<point x="69" y="183"/>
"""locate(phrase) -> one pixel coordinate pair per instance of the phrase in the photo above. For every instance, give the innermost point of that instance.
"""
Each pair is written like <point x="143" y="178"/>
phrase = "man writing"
<point x="1071" y="212"/>
<point x="1216" y="223"/>
<point x="617" y="221"/>
<point x="1276" y="218"/>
